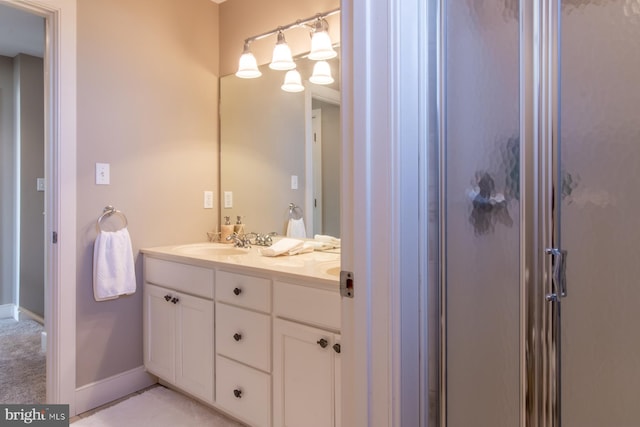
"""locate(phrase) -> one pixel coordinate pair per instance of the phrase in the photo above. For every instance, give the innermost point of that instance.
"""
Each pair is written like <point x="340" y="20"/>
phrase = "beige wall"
<point x="29" y="81"/>
<point x="147" y="104"/>
<point x="241" y="19"/>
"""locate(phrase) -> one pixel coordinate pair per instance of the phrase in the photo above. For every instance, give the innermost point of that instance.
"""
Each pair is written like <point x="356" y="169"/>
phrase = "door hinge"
<point x="346" y="284"/>
<point x="54" y="237"/>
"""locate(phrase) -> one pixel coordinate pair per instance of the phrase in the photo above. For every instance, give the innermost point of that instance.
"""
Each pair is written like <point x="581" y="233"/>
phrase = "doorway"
<point x="22" y="193"/>
<point x="538" y="169"/>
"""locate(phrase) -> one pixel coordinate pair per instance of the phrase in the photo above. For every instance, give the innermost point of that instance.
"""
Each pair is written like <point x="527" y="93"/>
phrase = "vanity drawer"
<point x="245" y="291"/>
<point x="309" y="305"/>
<point x="180" y="277"/>
<point x="244" y="336"/>
<point x="244" y="392"/>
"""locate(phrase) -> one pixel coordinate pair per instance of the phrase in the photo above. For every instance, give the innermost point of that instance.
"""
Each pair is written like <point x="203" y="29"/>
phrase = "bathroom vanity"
<point x="256" y="337"/>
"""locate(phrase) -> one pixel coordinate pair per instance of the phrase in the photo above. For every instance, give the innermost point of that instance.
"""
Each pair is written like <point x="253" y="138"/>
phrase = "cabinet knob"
<point x="237" y="291"/>
<point x="322" y="343"/>
<point x="167" y="297"/>
<point x="336" y="348"/>
<point x="237" y="336"/>
<point x="237" y="393"/>
<point x="175" y="300"/>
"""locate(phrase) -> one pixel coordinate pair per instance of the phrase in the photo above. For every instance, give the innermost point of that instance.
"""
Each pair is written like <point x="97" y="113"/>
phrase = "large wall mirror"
<point x="279" y="148"/>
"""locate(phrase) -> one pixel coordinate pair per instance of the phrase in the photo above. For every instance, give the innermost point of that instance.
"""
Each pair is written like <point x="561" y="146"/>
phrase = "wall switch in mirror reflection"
<point x="228" y="199"/>
<point x="208" y="199"/>
<point x="294" y="182"/>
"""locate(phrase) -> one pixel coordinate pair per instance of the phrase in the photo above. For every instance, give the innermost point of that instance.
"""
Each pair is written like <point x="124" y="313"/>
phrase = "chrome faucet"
<point x="264" y="239"/>
<point x="240" y="240"/>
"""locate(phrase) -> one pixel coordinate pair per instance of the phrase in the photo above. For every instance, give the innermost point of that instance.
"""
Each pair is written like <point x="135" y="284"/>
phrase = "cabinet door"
<point x="194" y="346"/>
<point x="303" y="376"/>
<point x="159" y="332"/>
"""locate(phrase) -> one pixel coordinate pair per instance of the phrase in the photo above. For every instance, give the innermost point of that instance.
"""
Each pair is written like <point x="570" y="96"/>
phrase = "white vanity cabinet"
<point x="306" y="357"/>
<point x="178" y="325"/>
<point x="243" y="346"/>
<point x="259" y="343"/>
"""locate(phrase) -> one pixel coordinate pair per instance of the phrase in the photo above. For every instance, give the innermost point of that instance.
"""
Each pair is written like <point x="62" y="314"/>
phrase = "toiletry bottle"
<point x="239" y="227"/>
<point x="226" y="230"/>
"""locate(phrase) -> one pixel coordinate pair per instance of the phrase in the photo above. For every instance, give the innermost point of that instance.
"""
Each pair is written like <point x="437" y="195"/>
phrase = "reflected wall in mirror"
<point x="269" y="139"/>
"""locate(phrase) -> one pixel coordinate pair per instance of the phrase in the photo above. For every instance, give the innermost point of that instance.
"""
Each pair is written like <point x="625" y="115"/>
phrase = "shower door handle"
<point x="559" y="273"/>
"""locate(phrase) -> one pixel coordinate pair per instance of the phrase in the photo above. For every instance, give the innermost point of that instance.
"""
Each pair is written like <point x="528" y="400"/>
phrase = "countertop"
<point x="321" y="267"/>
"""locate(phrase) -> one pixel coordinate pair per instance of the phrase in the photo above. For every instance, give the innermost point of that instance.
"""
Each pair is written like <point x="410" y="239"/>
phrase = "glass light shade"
<point x="248" y="67"/>
<point x="282" y="59"/>
<point x="292" y="82"/>
<point x="321" y="73"/>
<point x="321" y="47"/>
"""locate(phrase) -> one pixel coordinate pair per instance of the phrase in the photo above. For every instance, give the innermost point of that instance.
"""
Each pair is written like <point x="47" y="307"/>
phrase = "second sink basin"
<point x="210" y="249"/>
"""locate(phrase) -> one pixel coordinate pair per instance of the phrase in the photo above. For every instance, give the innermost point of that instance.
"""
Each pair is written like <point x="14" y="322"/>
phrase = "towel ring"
<point x="294" y="211"/>
<point x="106" y="213"/>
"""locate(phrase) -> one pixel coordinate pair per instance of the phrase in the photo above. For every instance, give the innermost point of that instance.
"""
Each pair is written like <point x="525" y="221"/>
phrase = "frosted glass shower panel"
<point x="600" y="161"/>
<point x="482" y="200"/>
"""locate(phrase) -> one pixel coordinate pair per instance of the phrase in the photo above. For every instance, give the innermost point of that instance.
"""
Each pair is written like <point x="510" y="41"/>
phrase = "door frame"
<point x="60" y="197"/>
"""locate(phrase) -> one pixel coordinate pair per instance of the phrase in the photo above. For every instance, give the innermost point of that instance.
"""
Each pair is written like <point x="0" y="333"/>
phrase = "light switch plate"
<point x="102" y="174"/>
<point x="40" y="184"/>
<point x="208" y="199"/>
<point x="228" y="199"/>
<point x="294" y="182"/>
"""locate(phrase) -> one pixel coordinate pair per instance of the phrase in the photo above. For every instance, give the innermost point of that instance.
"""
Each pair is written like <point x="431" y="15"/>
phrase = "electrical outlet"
<point x="228" y="199"/>
<point x="208" y="199"/>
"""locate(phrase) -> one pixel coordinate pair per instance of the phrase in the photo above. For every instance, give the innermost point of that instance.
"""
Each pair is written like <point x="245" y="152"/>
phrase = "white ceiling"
<point x="20" y="32"/>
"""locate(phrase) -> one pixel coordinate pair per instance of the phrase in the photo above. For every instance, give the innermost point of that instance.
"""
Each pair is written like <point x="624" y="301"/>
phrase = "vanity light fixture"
<point x="321" y="73"/>
<point x="321" y="50"/>
<point x="321" y="47"/>
<point x="292" y="82"/>
<point x="282" y="59"/>
<point x="248" y="67"/>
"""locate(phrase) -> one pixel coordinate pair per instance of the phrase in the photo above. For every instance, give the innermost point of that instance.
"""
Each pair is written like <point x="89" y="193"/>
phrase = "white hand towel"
<point x="296" y="229"/>
<point x="333" y="241"/>
<point x="113" y="267"/>
<point x="283" y="246"/>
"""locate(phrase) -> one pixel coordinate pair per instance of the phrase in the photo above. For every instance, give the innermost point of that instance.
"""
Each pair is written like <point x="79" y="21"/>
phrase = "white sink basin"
<point x="210" y="249"/>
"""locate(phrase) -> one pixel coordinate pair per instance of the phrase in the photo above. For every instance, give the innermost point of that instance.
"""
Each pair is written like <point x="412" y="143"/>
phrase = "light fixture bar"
<point x="298" y="23"/>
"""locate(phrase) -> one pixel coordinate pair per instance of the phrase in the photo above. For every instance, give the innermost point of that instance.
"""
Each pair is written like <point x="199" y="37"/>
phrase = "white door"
<point x="194" y="345"/>
<point x="160" y="330"/>
<point x="303" y="376"/>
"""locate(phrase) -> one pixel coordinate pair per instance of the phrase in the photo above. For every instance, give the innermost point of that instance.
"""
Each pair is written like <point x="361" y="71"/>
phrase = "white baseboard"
<point x="92" y="395"/>
<point x="8" y="311"/>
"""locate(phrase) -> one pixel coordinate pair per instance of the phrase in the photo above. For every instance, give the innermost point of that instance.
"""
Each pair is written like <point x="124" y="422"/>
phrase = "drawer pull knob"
<point x="237" y="291"/>
<point x="175" y="300"/>
<point x="322" y="343"/>
<point x="336" y="348"/>
<point x="167" y="297"/>
<point x="237" y="336"/>
<point x="237" y="393"/>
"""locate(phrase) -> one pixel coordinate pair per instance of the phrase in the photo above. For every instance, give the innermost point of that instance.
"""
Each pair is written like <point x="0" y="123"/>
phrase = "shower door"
<point x="539" y="153"/>
<point x="600" y="212"/>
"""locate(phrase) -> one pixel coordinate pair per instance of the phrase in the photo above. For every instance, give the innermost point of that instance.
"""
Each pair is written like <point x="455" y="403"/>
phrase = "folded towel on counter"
<point x="296" y="228"/>
<point x="286" y="246"/>
<point x="113" y="265"/>
<point x="329" y="240"/>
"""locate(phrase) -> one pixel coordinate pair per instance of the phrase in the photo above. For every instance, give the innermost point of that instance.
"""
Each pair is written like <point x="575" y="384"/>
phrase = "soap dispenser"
<point x="239" y="227"/>
<point x="226" y="230"/>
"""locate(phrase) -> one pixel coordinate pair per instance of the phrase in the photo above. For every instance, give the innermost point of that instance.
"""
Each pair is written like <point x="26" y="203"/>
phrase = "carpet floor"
<point x="156" y="407"/>
<point x="22" y="363"/>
